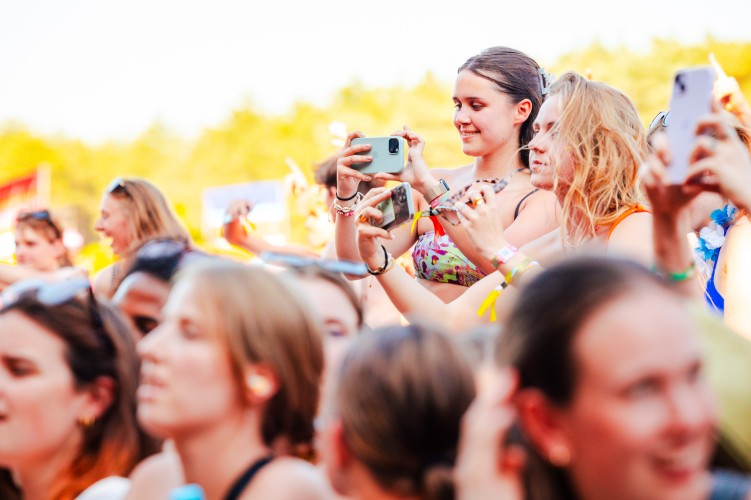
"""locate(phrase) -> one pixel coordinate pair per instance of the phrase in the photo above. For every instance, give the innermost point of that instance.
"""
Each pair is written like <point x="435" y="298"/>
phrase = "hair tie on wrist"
<point x="346" y="199"/>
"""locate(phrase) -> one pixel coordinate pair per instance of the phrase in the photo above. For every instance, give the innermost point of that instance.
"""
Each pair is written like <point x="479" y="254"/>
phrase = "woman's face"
<point x="114" y="223"/>
<point x="484" y="116"/>
<point x="39" y="404"/>
<point x="187" y="382"/>
<point x="35" y="250"/>
<point x="642" y="421"/>
<point x="548" y="158"/>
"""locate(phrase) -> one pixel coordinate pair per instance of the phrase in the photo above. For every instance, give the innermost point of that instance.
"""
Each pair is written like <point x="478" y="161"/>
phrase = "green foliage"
<point x="253" y="146"/>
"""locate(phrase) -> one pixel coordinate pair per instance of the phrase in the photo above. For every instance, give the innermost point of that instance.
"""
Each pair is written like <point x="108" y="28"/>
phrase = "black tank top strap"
<point x="519" y="205"/>
<point x="247" y="476"/>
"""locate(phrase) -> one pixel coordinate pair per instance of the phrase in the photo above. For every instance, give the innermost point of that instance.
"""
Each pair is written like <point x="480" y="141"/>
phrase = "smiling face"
<point x="642" y="420"/>
<point x="549" y="160"/>
<point x="484" y="116"/>
<point x="39" y="403"/>
<point x="35" y="250"/>
<point x="187" y="382"/>
<point x="114" y="222"/>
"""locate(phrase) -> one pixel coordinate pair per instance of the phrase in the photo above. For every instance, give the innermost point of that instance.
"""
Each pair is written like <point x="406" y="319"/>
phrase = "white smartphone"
<point x="691" y="99"/>
<point x="396" y="209"/>
<point x="387" y="153"/>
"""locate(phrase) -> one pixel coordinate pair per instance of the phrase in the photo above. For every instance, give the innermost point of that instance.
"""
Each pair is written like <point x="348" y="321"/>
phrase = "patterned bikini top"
<point x="436" y="258"/>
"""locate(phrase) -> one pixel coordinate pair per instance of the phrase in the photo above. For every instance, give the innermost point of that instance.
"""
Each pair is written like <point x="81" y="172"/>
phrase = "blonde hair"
<point x="47" y="226"/>
<point x="606" y="139"/>
<point x="256" y="312"/>
<point x="150" y="214"/>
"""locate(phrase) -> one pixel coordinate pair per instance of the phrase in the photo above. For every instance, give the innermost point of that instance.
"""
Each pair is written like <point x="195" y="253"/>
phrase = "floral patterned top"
<point x="436" y="258"/>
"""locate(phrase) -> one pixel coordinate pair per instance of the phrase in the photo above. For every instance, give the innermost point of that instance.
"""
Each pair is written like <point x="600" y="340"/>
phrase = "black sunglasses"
<point x="662" y="118"/>
<point x="57" y="294"/>
<point x="297" y="262"/>
<point x="118" y="186"/>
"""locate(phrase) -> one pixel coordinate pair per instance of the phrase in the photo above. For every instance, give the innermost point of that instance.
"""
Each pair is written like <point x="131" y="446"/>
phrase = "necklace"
<point x="497" y="183"/>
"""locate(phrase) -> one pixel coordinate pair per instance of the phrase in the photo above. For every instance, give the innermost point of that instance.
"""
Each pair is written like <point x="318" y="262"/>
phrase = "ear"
<point x="261" y="384"/>
<point x="522" y="111"/>
<point x="339" y="458"/>
<point x="100" y="395"/>
<point x="543" y="425"/>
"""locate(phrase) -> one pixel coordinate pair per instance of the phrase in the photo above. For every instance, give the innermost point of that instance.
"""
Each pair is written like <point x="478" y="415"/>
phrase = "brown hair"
<point x="401" y="393"/>
<point x="539" y="338"/>
<point x="46" y="225"/>
<point x="515" y="74"/>
<point x="315" y="272"/>
<point x="95" y="348"/>
<point x="604" y="134"/>
<point x="262" y="321"/>
<point x="150" y="215"/>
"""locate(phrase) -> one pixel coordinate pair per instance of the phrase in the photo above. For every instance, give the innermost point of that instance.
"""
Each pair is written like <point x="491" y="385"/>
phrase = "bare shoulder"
<point x="289" y="478"/>
<point x="155" y="476"/>
<point x="632" y="238"/>
<point x="451" y="175"/>
<point x="102" y="282"/>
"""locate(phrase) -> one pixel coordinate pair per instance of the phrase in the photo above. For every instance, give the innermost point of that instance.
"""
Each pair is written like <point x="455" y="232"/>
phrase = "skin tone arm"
<point x="729" y="93"/>
<point x="411" y="298"/>
<point x="234" y="232"/>
<point x="10" y="274"/>
<point x="737" y="290"/>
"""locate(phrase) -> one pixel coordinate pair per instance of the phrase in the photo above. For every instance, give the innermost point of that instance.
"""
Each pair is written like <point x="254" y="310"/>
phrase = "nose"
<point x="461" y="116"/>
<point x="691" y="410"/>
<point x="99" y="225"/>
<point x="535" y="144"/>
<point x="151" y="347"/>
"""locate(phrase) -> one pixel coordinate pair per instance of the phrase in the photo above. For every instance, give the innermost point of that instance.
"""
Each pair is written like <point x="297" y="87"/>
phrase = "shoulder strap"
<point x="519" y="205"/>
<point x="247" y="476"/>
<point x="635" y="209"/>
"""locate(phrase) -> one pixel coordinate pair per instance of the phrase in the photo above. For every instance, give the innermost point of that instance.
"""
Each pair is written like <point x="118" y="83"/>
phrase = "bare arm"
<point x="737" y="290"/>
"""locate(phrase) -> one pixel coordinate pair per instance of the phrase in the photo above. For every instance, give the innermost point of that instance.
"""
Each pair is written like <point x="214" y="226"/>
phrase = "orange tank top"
<point x="633" y="210"/>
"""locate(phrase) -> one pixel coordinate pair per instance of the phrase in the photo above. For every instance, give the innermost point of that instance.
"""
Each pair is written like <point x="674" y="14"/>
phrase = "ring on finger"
<point x="476" y="202"/>
<point x="363" y="219"/>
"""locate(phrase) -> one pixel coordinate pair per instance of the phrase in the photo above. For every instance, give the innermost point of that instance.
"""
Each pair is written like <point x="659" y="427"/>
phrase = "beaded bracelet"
<point x="387" y="265"/>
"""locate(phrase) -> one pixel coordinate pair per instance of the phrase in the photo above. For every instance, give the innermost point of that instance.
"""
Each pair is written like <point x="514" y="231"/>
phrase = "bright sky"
<point x="106" y="69"/>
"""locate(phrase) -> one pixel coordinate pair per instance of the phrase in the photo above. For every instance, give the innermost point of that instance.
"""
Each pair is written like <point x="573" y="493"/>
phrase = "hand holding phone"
<point x="691" y="99"/>
<point x="397" y="209"/>
<point x="387" y="153"/>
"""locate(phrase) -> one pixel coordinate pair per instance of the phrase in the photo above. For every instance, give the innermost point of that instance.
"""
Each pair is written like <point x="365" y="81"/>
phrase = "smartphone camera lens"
<point x="393" y="146"/>
<point x="679" y="83"/>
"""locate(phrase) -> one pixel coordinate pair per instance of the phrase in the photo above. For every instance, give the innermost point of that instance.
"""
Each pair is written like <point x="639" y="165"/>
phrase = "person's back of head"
<point x="399" y="396"/>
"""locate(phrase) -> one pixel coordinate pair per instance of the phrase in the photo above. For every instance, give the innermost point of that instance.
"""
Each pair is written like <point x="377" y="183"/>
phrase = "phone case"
<point x="398" y="209"/>
<point x="387" y="153"/>
<point x="691" y="99"/>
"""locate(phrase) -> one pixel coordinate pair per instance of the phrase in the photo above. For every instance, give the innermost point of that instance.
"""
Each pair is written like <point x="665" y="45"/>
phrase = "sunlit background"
<point x="195" y="95"/>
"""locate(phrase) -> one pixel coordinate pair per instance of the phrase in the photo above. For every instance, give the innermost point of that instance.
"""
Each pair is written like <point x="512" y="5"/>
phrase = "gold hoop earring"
<point x="86" y="422"/>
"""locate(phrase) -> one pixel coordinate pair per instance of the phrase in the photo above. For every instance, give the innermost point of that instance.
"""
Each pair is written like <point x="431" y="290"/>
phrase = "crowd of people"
<point x="549" y="326"/>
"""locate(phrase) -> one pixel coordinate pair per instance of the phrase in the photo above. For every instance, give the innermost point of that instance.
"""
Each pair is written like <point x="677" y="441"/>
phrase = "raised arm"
<point x="236" y="234"/>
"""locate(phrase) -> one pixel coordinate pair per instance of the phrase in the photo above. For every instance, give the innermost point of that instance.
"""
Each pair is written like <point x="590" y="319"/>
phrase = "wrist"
<point x="504" y="255"/>
<point x="425" y="183"/>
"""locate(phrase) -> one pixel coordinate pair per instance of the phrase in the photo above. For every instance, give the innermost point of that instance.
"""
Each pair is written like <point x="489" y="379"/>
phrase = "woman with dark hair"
<point x="497" y="95"/>
<point x="67" y="393"/>
<point x="393" y="412"/>
<point x="612" y="404"/>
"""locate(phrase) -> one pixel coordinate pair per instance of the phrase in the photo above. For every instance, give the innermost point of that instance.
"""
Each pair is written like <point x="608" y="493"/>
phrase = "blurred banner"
<point x="269" y="215"/>
<point x="30" y="192"/>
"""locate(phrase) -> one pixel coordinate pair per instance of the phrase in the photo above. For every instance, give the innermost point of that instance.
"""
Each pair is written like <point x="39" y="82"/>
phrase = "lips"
<point x="683" y="465"/>
<point x="150" y="384"/>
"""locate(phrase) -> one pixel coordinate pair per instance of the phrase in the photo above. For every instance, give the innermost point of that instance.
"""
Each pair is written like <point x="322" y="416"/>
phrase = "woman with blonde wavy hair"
<point x="132" y="212"/>
<point x="588" y="146"/>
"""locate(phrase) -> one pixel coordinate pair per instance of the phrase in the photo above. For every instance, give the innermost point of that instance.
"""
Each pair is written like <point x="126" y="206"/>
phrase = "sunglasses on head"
<point x="297" y="262"/>
<point x="662" y="119"/>
<point x="56" y="294"/>
<point x="118" y="186"/>
<point x="40" y="215"/>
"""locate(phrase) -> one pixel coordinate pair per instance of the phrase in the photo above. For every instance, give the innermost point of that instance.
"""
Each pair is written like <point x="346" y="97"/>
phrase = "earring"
<point x="259" y="385"/>
<point x="559" y="455"/>
<point x="86" y="421"/>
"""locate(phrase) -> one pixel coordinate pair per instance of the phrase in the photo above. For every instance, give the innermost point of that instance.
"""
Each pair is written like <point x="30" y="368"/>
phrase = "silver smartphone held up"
<point x="397" y="209"/>
<point x="387" y="153"/>
<point x="691" y="99"/>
